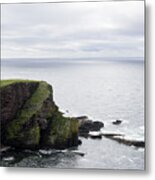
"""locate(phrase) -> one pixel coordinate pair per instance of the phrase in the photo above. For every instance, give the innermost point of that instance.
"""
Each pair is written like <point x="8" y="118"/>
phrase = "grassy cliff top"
<point x="31" y="107"/>
<point x="34" y="103"/>
<point x="7" y="82"/>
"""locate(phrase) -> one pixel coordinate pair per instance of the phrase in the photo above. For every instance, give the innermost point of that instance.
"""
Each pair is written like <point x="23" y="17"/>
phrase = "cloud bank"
<point x="78" y="30"/>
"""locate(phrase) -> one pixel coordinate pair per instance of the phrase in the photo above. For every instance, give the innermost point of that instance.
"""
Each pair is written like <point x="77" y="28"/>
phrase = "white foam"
<point x="8" y="158"/>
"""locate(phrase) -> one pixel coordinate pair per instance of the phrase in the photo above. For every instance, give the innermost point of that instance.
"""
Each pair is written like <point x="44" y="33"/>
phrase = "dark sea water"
<point x="104" y="90"/>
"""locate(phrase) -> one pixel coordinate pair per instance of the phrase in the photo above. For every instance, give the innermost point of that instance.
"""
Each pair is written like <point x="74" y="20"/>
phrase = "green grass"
<point x="62" y="128"/>
<point x="4" y="83"/>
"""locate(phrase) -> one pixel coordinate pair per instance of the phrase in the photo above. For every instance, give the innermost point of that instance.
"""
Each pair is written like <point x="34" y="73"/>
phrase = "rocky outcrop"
<point x="30" y="118"/>
<point x="121" y="138"/>
<point x="124" y="140"/>
<point x="86" y="125"/>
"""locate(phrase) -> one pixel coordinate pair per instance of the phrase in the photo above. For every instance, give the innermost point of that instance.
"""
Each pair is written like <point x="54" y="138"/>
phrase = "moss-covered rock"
<point x="30" y="118"/>
<point x="62" y="132"/>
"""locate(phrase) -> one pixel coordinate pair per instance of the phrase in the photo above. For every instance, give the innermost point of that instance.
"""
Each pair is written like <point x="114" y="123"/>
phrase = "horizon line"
<point x="63" y="2"/>
<point x="72" y="58"/>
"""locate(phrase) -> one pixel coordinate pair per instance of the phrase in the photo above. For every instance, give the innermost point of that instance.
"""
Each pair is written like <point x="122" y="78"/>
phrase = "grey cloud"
<point x="69" y="30"/>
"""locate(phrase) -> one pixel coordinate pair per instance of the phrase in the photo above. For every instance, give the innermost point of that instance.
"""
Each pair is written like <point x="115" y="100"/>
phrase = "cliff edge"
<point x="31" y="119"/>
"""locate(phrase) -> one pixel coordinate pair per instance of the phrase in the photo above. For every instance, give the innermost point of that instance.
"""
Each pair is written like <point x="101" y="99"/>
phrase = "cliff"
<point x="31" y="119"/>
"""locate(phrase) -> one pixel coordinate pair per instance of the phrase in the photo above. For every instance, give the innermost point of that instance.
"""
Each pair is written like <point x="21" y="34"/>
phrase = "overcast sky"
<point x="74" y="30"/>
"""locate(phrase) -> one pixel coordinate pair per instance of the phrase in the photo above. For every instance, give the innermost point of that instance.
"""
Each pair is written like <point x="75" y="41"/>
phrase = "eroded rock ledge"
<point x="31" y="119"/>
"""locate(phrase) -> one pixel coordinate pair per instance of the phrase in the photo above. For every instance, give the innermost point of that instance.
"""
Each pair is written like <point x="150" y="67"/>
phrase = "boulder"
<point x="31" y="119"/>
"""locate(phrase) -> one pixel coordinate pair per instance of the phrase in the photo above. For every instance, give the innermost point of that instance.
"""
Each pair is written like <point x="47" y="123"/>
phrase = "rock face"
<point x="30" y="118"/>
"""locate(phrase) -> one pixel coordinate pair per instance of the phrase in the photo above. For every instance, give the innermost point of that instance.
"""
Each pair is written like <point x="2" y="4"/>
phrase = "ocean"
<point x="103" y="89"/>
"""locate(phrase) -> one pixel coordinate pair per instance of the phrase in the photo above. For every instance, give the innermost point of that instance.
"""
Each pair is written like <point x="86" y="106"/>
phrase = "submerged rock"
<point x="117" y="122"/>
<point x="30" y="118"/>
<point x="129" y="142"/>
<point x="121" y="138"/>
